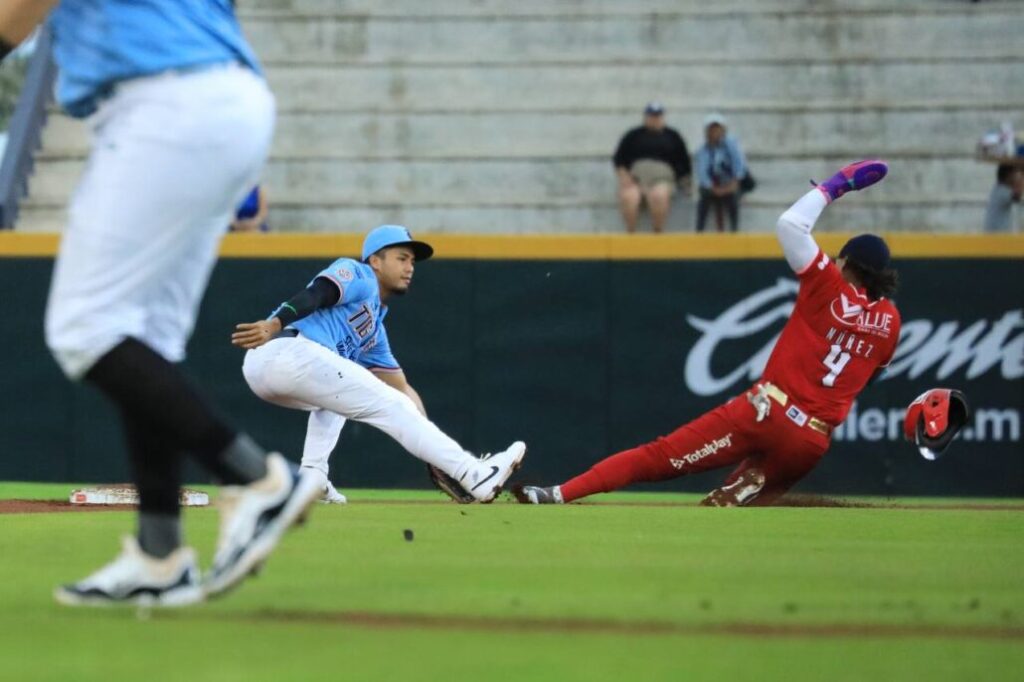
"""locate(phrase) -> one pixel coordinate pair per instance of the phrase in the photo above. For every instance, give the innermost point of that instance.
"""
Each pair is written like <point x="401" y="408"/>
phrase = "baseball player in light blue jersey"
<point x="181" y="123"/>
<point x="326" y="351"/>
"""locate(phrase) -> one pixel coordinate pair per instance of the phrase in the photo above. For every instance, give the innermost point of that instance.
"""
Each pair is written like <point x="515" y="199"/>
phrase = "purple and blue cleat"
<point x="853" y="177"/>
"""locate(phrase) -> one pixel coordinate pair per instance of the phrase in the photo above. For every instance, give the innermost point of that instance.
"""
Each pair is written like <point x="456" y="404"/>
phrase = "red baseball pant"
<point x="728" y="435"/>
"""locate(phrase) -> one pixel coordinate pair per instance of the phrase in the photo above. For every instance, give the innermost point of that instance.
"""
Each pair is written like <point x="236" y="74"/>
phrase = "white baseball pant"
<point x="172" y="156"/>
<point x="301" y="374"/>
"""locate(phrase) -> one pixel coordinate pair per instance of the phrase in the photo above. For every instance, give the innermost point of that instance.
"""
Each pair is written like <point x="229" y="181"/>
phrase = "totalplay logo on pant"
<point x="707" y="449"/>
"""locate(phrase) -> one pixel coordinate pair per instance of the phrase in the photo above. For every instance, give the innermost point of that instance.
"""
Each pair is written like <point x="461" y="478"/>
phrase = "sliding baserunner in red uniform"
<point x="842" y="332"/>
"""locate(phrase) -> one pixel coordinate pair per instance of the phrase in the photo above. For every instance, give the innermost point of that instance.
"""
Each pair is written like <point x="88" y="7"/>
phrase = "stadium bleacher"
<point x="500" y="116"/>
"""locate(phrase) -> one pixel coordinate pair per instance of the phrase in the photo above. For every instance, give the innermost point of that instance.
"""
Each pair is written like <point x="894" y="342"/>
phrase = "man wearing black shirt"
<point x="649" y="162"/>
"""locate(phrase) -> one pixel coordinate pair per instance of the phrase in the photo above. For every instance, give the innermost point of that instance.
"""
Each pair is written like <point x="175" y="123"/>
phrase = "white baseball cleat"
<point x="254" y="518"/>
<point x="484" y="479"/>
<point x="332" y="496"/>
<point x="134" y="577"/>
<point x="328" y="493"/>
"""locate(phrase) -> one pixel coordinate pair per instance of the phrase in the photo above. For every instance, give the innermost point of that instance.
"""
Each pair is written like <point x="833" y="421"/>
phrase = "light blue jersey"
<point x="354" y="326"/>
<point x="100" y="42"/>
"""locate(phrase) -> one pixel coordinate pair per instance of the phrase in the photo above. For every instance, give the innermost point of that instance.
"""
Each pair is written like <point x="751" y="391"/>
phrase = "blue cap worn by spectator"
<point x="394" y="235"/>
<point x="868" y="250"/>
<point x="654" y="109"/>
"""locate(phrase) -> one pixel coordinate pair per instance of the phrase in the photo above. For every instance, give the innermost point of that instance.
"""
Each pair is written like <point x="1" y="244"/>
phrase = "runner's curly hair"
<point x="879" y="283"/>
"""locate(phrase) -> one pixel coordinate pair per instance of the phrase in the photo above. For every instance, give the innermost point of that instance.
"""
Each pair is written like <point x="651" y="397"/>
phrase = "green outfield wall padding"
<point x="578" y="358"/>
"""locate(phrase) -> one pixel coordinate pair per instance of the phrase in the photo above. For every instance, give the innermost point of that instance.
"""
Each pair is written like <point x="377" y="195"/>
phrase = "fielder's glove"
<point x="449" y="486"/>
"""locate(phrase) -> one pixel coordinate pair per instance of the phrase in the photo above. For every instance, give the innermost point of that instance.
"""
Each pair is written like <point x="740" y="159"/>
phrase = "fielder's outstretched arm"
<point x="322" y="293"/>
<point x="794" y="230"/>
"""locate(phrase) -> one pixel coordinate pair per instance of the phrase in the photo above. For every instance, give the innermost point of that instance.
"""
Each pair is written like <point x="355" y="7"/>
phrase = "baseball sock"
<point x="617" y="471"/>
<point x="156" y="470"/>
<point x="159" y="534"/>
<point x="160" y="399"/>
<point x="807" y="209"/>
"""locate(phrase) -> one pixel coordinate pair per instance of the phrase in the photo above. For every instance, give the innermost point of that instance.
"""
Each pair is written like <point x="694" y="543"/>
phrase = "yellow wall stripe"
<point x="570" y="247"/>
<point x="19" y="244"/>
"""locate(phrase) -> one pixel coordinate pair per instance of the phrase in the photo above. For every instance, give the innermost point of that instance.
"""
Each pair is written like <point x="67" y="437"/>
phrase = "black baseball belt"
<point x="286" y="333"/>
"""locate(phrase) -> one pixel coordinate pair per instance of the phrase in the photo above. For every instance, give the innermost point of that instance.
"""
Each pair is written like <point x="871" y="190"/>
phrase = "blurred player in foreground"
<point x="181" y="123"/>
<point x="326" y="350"/>
<point x="842" y="332"/>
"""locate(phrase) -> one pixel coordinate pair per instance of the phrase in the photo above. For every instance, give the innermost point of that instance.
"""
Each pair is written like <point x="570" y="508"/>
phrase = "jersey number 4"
<point x="835" y="362"/>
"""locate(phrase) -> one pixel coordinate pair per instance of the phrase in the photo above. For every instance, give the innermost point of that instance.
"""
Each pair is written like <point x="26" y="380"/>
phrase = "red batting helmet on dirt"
<point x="934" y="418"/>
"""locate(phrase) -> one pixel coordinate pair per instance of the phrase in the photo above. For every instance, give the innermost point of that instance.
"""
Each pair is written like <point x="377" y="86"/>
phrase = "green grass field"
<point x="639" y="587"/>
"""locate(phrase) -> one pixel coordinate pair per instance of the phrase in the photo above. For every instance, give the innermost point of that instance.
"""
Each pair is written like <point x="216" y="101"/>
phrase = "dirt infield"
<point x="399" y="621"/>
<point x="797" y="500"/>
<point x="807" y="501"/>
<point x="46" y="506"/>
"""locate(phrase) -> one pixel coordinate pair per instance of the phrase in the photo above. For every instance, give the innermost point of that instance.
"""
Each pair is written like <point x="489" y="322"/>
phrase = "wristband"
<point x="287" y="314"/>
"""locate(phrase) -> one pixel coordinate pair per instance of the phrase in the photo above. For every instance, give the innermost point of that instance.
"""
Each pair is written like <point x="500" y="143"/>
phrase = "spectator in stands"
<point x="251" y="215"/>
<point x="650" y="161"/>
<point x="1008" y="190"/>
<point x="720" y="168"/>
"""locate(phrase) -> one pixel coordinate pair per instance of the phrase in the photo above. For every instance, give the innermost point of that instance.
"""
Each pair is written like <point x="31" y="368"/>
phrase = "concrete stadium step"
<point x="592" y="218"/>
<point x="565" y="87"/>
<point x="584" y="7"/>
<point x="551" y="180"/>
<point x="501" y="115"/>
<point x="955" y="215"/>
<point x="934" y="131"/>
<point x="527" y="134"/>
<point x="605" y="218"/>
<point x="532" y="180"/>
<point x="641" y="37"/>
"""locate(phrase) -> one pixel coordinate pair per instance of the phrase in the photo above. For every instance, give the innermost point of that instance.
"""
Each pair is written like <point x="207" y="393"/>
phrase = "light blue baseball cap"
<point x="394" y="235"/>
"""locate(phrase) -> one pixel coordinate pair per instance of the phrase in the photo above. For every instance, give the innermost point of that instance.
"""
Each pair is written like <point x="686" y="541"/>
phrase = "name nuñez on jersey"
<point x="708" y="449"/>
<point x="850" y="342"/>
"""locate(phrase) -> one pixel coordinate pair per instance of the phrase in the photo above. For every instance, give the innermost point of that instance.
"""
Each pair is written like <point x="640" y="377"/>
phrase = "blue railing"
<point x="25" y="130"/>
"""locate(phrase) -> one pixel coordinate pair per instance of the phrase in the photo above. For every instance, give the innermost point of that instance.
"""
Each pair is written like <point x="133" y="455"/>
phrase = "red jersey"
<point x="834" y="342"/>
